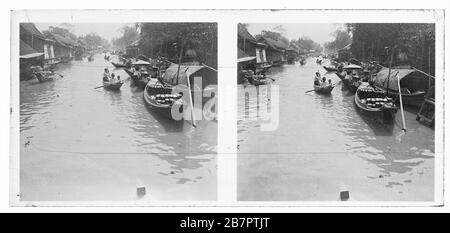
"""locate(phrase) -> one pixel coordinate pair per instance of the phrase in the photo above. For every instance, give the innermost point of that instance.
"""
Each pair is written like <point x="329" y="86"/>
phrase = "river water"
<point x="78" y="143"/>
<point x="323" y="146"/>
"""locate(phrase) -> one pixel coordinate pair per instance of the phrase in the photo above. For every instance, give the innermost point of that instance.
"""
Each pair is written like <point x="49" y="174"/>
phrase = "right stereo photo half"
<point x="336" y="112"/>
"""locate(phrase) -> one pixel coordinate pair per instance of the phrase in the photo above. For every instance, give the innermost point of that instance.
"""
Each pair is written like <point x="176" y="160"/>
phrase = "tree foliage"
<point x="172" y="39"/>
<point x="305" y="43"/>
<point x="129" y="35"/>
<point x="415" y="41"/>
<point x="93" y="40"/>
<point x="341" y="39"/>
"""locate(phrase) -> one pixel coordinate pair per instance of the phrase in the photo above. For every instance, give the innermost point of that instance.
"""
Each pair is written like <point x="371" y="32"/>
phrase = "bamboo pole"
<point x="179" y="61"/>
<point x="429" y="75"/>
<point x="389" y="72"/>
<point x="190" y="99"/>
<point x="401" y="103"/>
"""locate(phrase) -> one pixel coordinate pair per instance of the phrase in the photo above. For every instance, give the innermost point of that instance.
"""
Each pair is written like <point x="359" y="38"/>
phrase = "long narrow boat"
<point x="136" y="81"/>
<point x="330" y="69"/>
<point x="114" y="86"/>
<point x="277" y="63"/>
<point x="323" y="89"/>
<point x="414" y="85"/>
<point x="372" y="101"/>
<point x="259" y="81"/>
<point x="262" y="67"/>
<point x="351" y="85"/>
<point x="41" y="75"/>
<point x="118" y="65"/>
<point x="158" y="93"/>
<point x="160" y="99"/>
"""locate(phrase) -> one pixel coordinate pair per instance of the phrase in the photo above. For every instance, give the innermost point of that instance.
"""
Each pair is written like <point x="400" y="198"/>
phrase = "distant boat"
<point x="351" y="84"/>
<point x="277" y="63"/>
<point x="330" y="69"/>
<point x="137" y="81"/>
<point x="263" y="67"/>
<point x="41" y="75"/>
<point x="118" y="65"/>
<point x="259" y="81"/>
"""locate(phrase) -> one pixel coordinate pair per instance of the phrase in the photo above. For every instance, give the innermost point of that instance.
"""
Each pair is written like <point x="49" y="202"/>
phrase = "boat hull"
<point x="262" y="68"/>
<point x="162" y="109"/>
<point x="413" y="100"/>
<point x="330" y="69"/>
<point x="385" y="113"/>
<point x="112" y="86"/>
<point x="117" y="65"/>
<point x="351" y="86"/>
<point x="258" y="82"/>
<point x="323" y="90"/>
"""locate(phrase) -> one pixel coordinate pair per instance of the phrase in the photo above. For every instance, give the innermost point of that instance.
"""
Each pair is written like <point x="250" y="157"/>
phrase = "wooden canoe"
<point x="387" y="110"/>
<point x="323" y="89"/>
<point x="118" y="65"/>
<point x="113" y="85"/>
<point x="161" y="108"/>
<point x="330" y="69"/>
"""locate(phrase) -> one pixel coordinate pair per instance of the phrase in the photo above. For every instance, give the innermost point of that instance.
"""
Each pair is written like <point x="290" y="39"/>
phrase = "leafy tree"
<point x="93" y="40"/>
<point x="189" y="41"/>
<point x="341" y="39"/>
<point x="129" y="35"/>
<point x="415" y="41"/>
<point x="307" y="44"/>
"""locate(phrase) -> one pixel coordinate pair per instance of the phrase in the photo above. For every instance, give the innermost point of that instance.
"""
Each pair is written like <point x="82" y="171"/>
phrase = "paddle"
<point x="309" y="91"/>
<point x="98" y="87"/>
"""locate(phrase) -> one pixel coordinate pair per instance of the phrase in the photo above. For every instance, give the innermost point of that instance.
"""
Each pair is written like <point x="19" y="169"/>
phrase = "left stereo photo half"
<point x="116" y="111"/>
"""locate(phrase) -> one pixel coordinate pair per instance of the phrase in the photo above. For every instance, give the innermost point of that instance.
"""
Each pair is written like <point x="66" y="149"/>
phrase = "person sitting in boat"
<point x="106" y="75"/>
<point x="317" y="79"/>
<point x="324" y="81"/>
<point x="113" y="78"/>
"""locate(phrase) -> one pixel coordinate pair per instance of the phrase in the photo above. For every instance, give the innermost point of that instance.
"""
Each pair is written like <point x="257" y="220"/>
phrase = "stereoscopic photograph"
<point x="336" y="111"/>
<point x="117" y="111"/>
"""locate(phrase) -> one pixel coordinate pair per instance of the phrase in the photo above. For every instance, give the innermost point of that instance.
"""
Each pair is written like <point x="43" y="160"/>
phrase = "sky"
<point x="319" y="32"/>
<point x="105" y="30"/>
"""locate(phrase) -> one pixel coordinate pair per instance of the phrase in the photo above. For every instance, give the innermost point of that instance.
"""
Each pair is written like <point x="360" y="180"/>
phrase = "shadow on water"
<point x="379" y="126"/>
<point x="169" y="125"/>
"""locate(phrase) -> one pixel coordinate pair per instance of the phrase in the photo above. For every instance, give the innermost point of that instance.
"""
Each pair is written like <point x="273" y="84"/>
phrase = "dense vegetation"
<point x="414" y="44"/>
<point x="341" y="39"/>
<point x="129" y="35"/>
<point x="185" y="41"/>
<point x="91" y="40"/>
